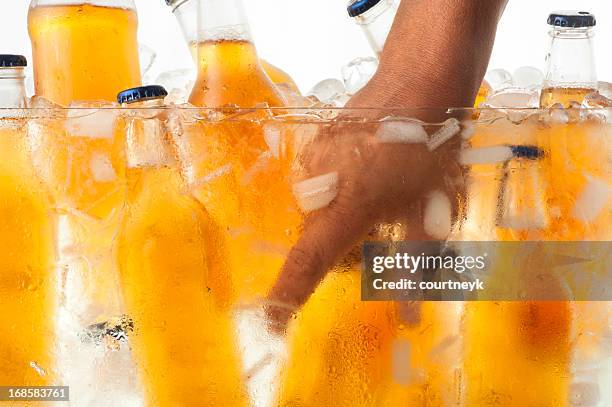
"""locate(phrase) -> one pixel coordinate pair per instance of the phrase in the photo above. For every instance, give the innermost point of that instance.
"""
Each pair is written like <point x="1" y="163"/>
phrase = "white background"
<point x="312" y="39"/>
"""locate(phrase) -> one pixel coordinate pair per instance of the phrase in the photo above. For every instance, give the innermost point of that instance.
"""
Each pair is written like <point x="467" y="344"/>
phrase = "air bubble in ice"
<point x="499" y="79"/>
<point x="101" y="168"/>
<point x="437" y="218"/>
<point x="316" y="193"/>
<point x="398" y="131"/>
<point x="327" y="90"/>
<point x="593" y="200"/>
<point x="357" y="73"/>
<point x="528" y="77"/>
<point x="449" y="130"/>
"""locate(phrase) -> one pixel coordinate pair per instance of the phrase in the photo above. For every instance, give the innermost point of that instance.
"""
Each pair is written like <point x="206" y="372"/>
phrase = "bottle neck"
<point x="571" y="60"/>
<point x="12" y="88"/>
<point x="222" y="20"/>
<point x="376" y="23"/>
<point x="186" y="13"/>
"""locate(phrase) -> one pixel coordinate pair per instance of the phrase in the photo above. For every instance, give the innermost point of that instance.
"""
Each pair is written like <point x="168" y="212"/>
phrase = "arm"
<point x="436" y="56"/>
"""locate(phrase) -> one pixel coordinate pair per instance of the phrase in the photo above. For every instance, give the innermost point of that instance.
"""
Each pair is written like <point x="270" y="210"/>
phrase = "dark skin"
<point x="435" y="56"/>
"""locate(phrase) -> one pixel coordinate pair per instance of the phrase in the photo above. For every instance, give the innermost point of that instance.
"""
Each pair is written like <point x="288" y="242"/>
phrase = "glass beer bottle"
<point x="571" y="73"/>
<point x="183" y="339"/>
<point x="229" y="70"/>
<point x="186" y="13"/>
<point x="27" y="301"/>
<point x="84" y="50"/>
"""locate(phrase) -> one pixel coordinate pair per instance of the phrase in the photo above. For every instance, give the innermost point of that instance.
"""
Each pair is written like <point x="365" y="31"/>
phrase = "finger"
<point x="328" y="235"/>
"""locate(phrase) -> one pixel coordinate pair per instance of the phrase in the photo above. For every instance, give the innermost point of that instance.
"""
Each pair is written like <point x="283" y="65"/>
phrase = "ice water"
<point x="83" y="51"/>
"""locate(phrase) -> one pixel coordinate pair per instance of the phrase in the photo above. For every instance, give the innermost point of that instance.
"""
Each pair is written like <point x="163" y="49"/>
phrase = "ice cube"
<point x="605" y="89"/>
<point x="593" y="200"/>
<point x="499" y="79"/>
<point x="272" y="136"/>
<point x="558" y="114"/>
<point x="602" y="105"/>
<point x="584" y="394"/>
<point x="437" y="218"/>
<point x="357" y="73"/>
<point x="468" y="130"/>
<point x="292" y="97"/>
<point x="101" y="168"/>
<point x="316" y="193"/>
<point x="39" y="102"/>
<point x="262" y="352"/>
<point x="522" y="204"/>
<point x="92" y="119"/>
<point x="400" y="131"/>
<point x="178" y="83"/>
<point x="403" y="372"/>
<point x="401" y="361"/>
<point x="528" y="77"/>
<point x="449" y="130"/>
<point x="485" y="155"/>
<point x="341" y="100"/>
<point x="327" y="90"/>
<point x="514" y="99"/>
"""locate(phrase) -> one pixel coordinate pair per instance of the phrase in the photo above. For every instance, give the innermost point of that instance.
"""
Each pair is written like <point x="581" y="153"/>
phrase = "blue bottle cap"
<point x="358" y="7"/>
<point x="13" y="61"/>
<point x="141" y="93"/>
<point x="572" y="19"/>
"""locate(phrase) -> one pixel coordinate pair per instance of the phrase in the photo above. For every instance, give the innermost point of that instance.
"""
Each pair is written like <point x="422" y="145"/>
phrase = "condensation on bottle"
<point x="84" y="50"/>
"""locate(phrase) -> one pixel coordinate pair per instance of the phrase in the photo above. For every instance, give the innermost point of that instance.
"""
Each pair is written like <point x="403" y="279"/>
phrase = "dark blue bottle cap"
<point x="141" y="93"/>
<point x="358" y="7"/>
<point x="572" y="19"/>
<point x="528" y="152"/>
<point x="13" y="61"/>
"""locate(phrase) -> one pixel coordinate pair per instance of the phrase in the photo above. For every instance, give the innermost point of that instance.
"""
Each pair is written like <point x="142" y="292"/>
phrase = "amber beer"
<point x="84" y="50"/>
<point x="27" y="284"/>
<point x="186" y="13"/>
<point x="183" y="340"/>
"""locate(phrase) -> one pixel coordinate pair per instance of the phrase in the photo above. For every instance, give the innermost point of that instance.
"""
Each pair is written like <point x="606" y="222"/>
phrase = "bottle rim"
<point x="359" y="7"/>
<point x="13" y="61"/>
<point x="572" y="19"/>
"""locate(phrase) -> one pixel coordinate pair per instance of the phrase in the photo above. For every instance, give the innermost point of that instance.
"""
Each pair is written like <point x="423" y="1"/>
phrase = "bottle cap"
<point x="13" y="61"/>
<point x="175" y="3"/>
<point x="141" y="93"/>
<point x="358" y="7"/>
<point x="572" y="19"/>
